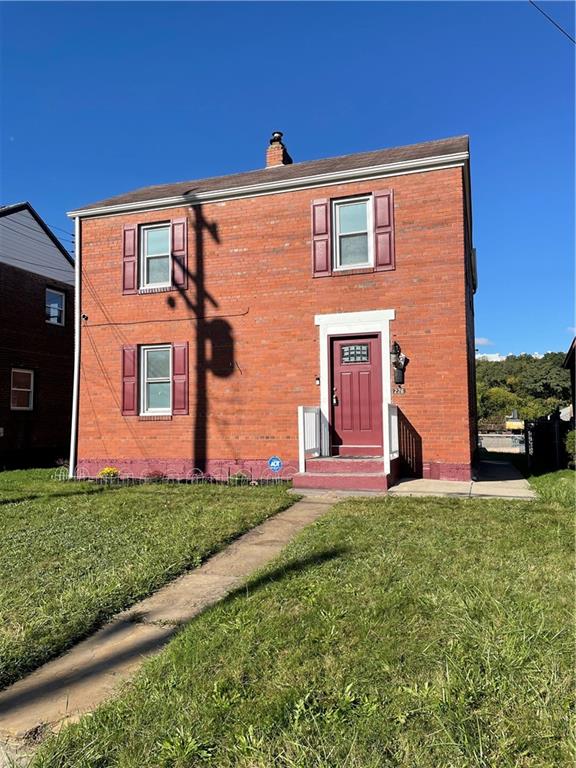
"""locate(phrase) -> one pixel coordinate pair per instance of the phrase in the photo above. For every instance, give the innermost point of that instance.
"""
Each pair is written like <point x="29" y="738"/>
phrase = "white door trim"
<point x="355" y="323"/>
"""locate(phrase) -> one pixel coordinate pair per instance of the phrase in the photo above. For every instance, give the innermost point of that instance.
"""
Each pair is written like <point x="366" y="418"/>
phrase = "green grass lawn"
<point x="73" y="554"/>
<point x="417" y="633"/>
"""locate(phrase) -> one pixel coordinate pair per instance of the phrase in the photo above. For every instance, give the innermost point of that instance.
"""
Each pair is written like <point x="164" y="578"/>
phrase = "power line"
<point x="23" y="234"/>
<point x="168" y="320"/>
<point x="37" y="230"/>
<point x="551" y="20"/>
<point x="36" y="264"/>
<point x="61" y="230"/>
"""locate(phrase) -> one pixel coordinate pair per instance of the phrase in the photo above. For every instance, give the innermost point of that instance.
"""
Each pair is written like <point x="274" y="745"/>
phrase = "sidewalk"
<point x="64" y="689"/>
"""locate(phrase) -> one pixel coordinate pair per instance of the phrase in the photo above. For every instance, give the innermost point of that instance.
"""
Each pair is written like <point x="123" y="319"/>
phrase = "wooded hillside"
<point x="534" y="386"/>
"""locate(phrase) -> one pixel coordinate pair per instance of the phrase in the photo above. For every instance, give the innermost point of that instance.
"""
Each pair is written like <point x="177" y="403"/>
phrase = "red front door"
<point x="356" y="396"/>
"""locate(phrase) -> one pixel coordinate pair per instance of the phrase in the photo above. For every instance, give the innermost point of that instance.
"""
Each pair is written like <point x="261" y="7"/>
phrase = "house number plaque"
<point x="398" y="390"/>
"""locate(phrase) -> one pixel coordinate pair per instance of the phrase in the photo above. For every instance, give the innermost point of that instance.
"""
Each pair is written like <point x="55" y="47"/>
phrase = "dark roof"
<point x="569" y="359"/>
<point x="8" y="210"/>
<point x="295" y="171"/>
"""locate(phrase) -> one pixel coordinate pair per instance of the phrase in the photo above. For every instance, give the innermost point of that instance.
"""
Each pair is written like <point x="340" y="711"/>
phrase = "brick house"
<point x="36" y="340"/>
<point x="273" y="313"/>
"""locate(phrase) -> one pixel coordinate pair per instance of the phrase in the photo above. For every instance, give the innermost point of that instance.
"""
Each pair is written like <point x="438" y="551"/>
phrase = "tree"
<point x="533" y="386"/>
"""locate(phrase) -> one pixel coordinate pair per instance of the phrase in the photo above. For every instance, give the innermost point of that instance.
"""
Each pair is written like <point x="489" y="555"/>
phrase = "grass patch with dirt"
<point x="75" y="553"/>
<point x="393" y="632"/>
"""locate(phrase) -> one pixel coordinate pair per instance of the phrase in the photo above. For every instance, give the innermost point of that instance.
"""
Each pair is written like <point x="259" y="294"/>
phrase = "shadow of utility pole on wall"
<point x="216" y="332"/>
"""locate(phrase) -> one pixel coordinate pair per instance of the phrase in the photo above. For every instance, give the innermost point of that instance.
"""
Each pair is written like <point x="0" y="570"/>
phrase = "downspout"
<point x="76" y="380"/>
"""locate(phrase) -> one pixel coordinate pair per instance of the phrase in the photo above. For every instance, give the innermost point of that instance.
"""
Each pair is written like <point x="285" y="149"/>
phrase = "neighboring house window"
<point x="353" y="235"/>
<point x="21" y="390"/>
<point x="155" y="268"/>
<point x="55" y="305"/>
<point x="156" y="380"/>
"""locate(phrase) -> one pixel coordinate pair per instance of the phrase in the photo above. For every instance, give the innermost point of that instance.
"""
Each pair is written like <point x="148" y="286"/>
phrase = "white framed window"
<point x="156" y="380"/>
<point x="21" y="390"/>
<point x="353" y="233"/>
<point x="55" y="306"/>
<point x="155" y="262"/>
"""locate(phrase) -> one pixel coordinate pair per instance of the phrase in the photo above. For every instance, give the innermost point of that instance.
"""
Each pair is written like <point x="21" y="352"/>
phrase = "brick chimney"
<point x="277" y="154"/>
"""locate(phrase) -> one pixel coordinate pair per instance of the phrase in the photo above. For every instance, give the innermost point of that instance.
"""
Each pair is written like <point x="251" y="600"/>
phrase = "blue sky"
<point x="101" y="98"/>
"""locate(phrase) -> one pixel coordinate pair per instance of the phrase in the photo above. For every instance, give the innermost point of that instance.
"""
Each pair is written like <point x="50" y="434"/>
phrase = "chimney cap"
<point x="276" y="137"/>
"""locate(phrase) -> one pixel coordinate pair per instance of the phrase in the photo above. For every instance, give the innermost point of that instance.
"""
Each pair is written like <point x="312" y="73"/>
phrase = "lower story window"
<point x="21" y="390"/>
<point x="156" y="380"/>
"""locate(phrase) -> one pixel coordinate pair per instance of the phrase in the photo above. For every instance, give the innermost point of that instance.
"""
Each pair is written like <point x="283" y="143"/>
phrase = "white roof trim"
<point x="275" y="187"/>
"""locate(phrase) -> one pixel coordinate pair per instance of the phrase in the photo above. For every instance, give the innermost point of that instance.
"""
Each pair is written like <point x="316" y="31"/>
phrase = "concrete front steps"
<point x="343" y="473"/>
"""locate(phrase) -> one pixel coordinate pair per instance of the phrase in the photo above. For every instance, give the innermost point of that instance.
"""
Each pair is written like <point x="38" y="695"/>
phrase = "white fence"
<point x="309" y="434"/>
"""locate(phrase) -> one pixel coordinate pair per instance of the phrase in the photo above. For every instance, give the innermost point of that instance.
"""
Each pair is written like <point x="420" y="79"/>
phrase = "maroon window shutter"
<point x="321" y="251"/>
<point x="129" y="260"/>
<point x="129" y="381"/>
<point x="180" y="253"/>
<point x="180" y="379"/>
<point x="384" y="231"/>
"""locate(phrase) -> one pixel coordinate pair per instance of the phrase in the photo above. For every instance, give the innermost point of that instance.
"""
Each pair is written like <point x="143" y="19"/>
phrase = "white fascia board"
<point x="275" y="187"/>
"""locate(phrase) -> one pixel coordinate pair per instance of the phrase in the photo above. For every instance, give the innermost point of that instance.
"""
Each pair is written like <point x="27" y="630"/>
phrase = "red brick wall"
<point x="256" y="288"/>
<point x="27" y="341"/>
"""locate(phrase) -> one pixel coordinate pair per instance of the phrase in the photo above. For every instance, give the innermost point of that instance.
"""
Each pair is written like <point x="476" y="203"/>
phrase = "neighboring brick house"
<point x="36" y="340"/>
<point x="213" y="310"/>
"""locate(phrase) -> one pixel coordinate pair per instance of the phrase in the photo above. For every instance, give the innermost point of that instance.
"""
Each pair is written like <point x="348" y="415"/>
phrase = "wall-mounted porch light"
<point x="399" y="361"/>
<point x="394" y="352"/>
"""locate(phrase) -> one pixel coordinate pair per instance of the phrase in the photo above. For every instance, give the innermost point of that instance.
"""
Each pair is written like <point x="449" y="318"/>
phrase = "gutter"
<point x="283" y="185"/>
<point x="76" y="375"/>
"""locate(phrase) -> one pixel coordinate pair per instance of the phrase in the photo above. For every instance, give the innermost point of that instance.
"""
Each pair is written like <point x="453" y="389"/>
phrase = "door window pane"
<point x="355" y="353"/>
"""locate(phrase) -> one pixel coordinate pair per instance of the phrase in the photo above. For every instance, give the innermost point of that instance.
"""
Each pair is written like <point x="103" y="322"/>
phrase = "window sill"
<point x="164" y="417"/>
<point x="351" y="271"/>
<point x="160" y="289"/>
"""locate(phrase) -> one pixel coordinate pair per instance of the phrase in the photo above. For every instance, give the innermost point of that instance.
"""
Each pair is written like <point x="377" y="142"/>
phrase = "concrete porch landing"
<point x="495" y="479"/>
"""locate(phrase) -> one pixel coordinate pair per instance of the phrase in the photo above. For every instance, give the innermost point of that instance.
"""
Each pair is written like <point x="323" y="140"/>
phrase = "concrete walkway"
<point x="496" y="480"/>
<point x="76" y="683"/>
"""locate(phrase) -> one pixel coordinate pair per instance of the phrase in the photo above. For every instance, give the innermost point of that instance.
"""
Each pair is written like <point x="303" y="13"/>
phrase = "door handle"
<point x="334" y="396"/>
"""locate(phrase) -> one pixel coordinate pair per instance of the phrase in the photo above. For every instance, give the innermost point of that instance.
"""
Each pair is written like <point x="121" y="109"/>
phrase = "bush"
<point x="570" y="443"/>
<point x="240" y="478"/>
<point x="155" y="476"/>
<point x="109" y="473"/>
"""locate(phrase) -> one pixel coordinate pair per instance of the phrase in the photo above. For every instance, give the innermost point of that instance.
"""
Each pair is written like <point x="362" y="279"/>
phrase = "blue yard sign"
<point x="275" y="463"/>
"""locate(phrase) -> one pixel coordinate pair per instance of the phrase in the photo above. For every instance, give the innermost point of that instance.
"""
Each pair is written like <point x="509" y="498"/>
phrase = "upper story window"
<point x="55" y="306"/>
<point x="155" y="256"/>
<point x="353" y="233"/>
<point x="156" y="380"/>
<point x="21" y="389"/>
